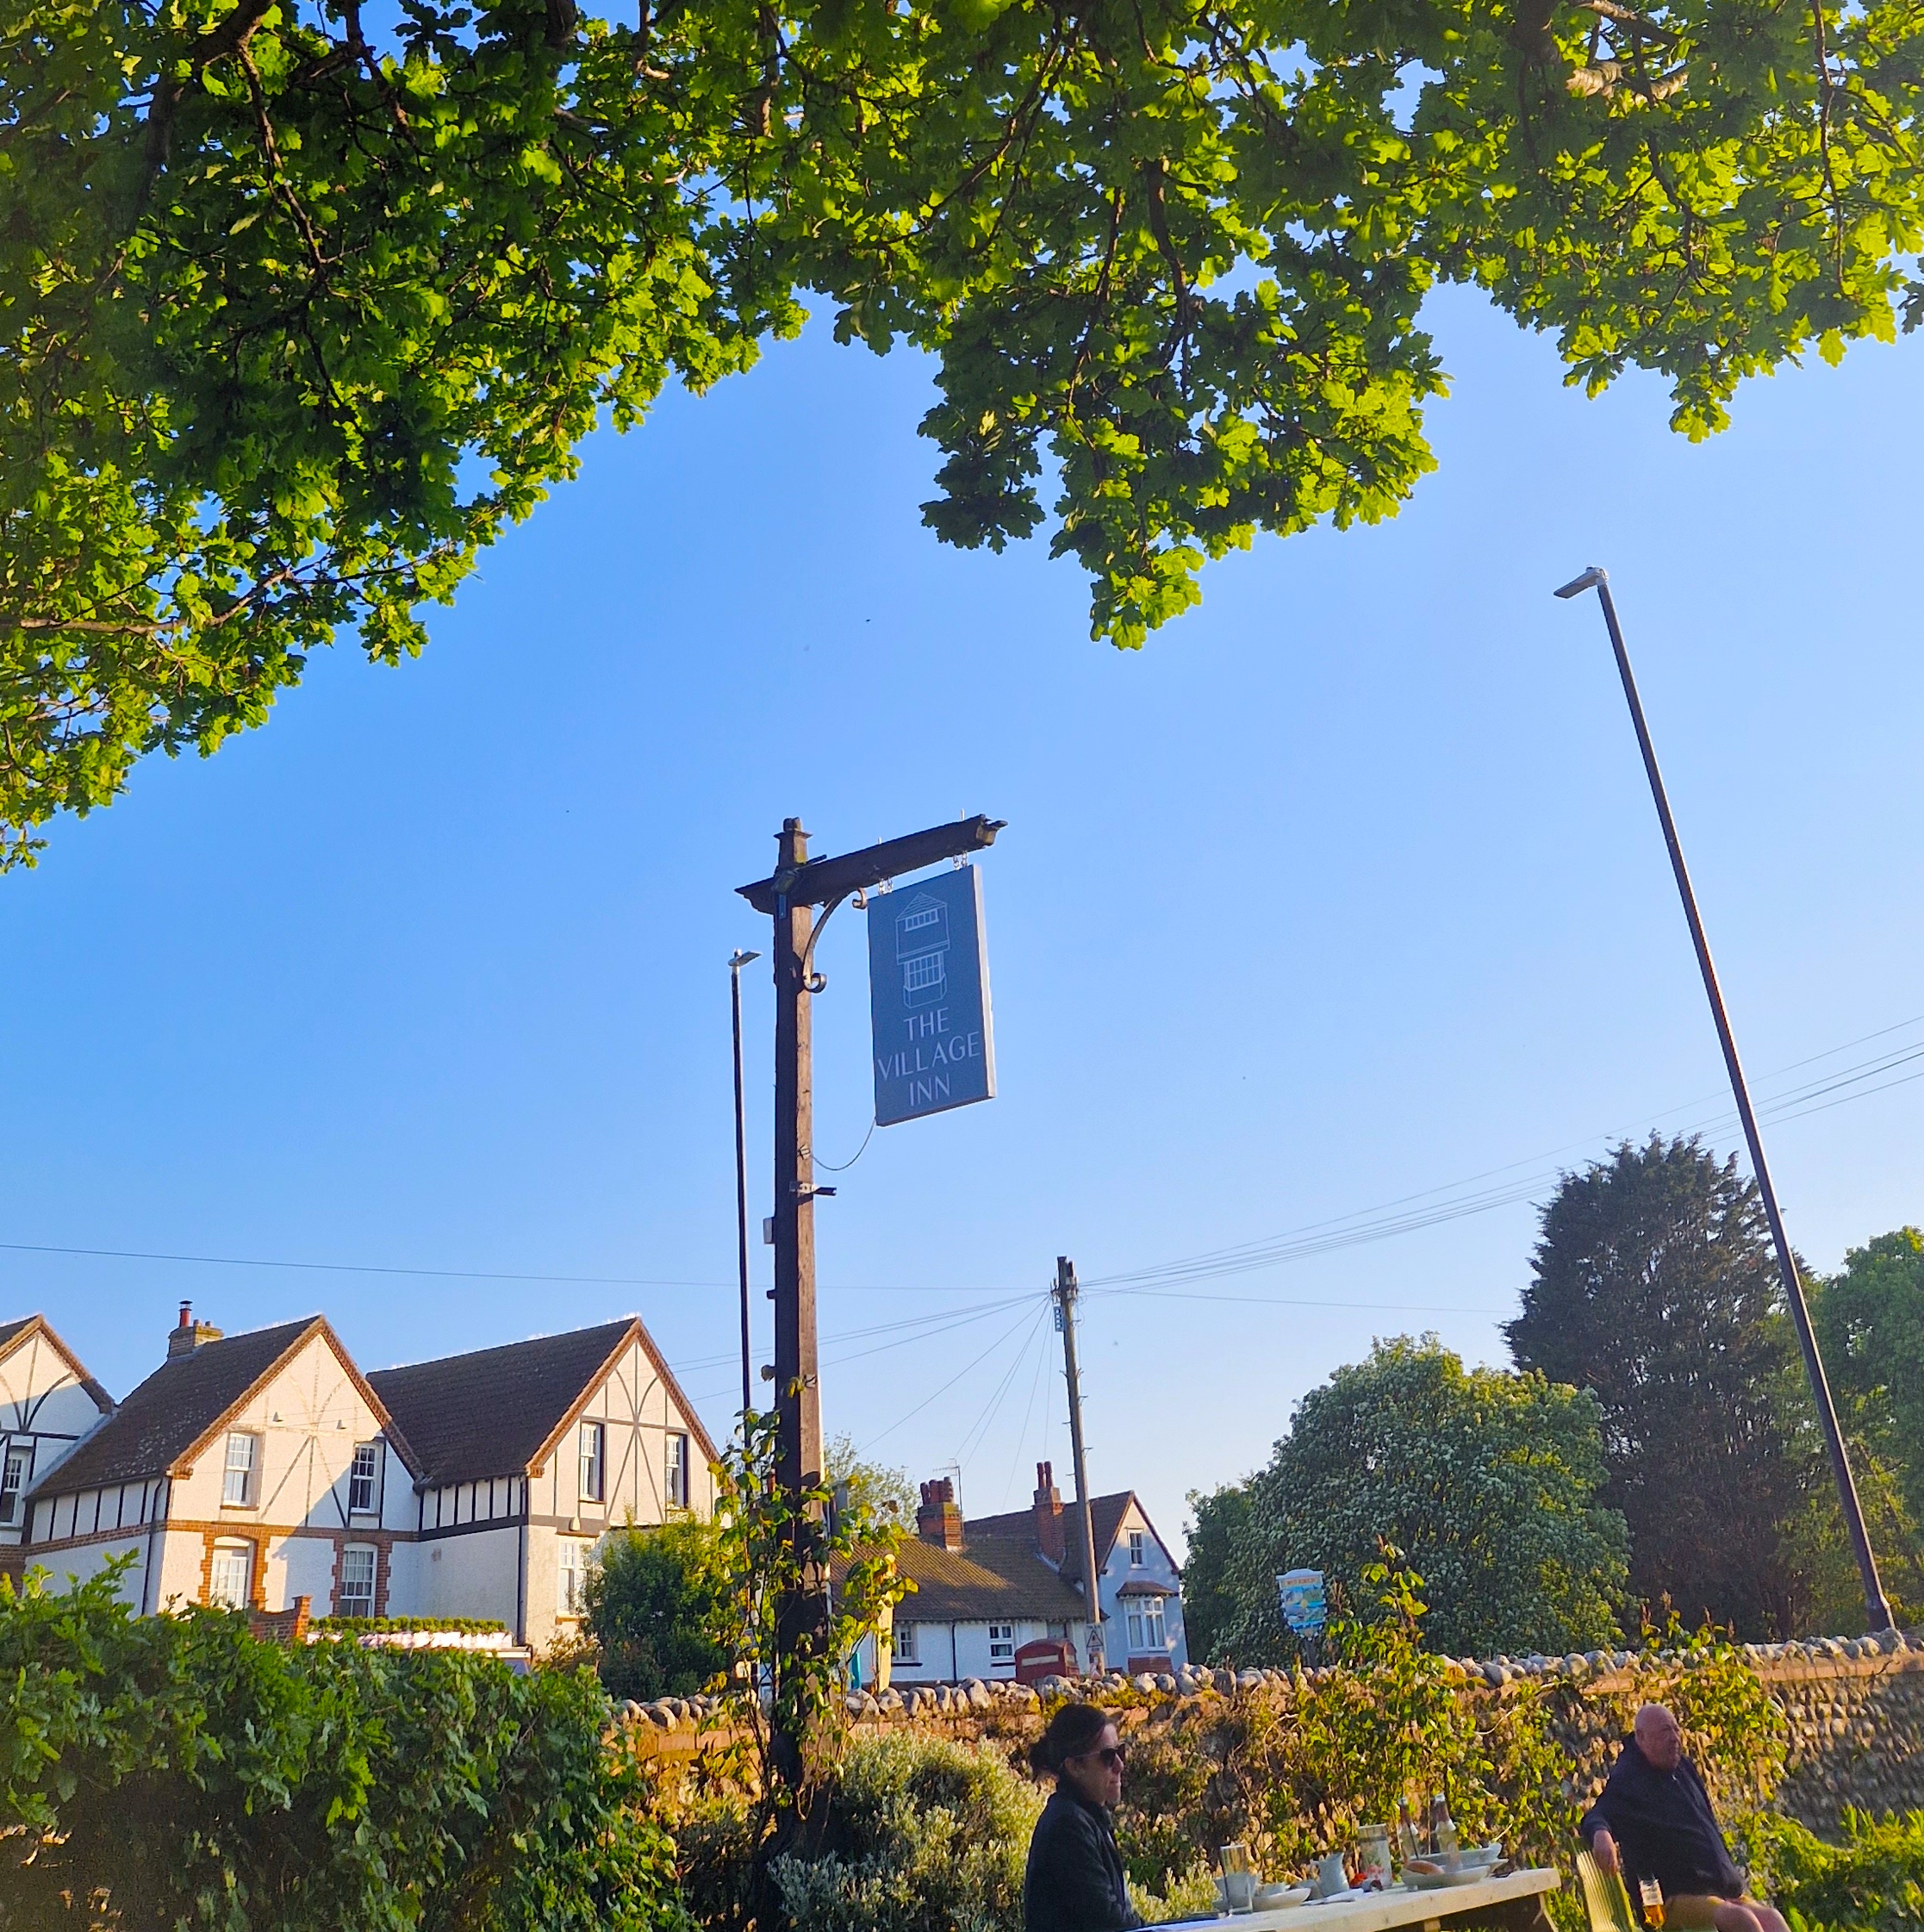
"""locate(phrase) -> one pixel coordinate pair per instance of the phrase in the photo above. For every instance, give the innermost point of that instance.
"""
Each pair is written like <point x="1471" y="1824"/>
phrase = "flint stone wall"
<point x="1853" y="1710"/>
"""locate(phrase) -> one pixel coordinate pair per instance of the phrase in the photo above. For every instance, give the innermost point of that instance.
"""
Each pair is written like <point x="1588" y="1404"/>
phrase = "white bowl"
<point x="1270" y="1899"/>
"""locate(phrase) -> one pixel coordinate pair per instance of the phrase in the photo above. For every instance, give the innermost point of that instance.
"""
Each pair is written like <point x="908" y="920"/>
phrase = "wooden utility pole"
<point x="789" y="897"/>
<point x="798" y="1391"/>
<point x="1065" y="1293"/>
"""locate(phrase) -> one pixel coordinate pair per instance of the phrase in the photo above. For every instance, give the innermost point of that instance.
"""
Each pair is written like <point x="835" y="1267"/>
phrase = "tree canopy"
<point x="1488" y="1482"/>
<point x="1870" y="1322"/>
<point x="295" y="316"/>
<point x="1655" y="1286"/>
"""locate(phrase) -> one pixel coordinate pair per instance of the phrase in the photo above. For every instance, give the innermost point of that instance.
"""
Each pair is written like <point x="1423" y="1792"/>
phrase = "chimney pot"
<point x="187" y="1334"/>
<point x="939" y="1520"/>
<point x="1049" y="1537"/>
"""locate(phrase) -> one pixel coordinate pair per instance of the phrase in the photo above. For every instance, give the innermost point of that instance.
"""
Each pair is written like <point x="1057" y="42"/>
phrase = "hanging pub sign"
<point x="929" y="997"/>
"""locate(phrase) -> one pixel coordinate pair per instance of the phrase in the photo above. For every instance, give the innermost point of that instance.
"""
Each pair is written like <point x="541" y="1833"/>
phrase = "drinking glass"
<point x="1652" y="1894"/>
<point x="1239" y="1879"/>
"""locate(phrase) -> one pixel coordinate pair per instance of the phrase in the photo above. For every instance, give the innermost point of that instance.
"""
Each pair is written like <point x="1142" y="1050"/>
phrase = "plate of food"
<point x="1428" y="1874"/>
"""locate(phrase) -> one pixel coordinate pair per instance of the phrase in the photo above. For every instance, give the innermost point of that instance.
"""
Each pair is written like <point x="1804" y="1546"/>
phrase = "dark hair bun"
<point x="1073" y="1731"/>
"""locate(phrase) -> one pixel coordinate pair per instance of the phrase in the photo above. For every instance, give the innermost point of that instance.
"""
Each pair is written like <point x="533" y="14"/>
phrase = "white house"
<point x="258" y="1469"/>
<point x="250" y="1470"/>
<point x="527" y="1455"/>
<point x="47" y="1402"/>
<point x="1140" y="1583"/>
<point x="984" y="1590"/>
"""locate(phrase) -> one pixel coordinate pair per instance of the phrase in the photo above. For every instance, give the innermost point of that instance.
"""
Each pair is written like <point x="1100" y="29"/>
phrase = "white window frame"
<point x="363" y="1490"/>
<point x="1136" y="1625"/>
<point x="903" y="1644"/>
<point x="593" y="1444"/>
<point x="1138" y="1553"/>
<point x="571" y="1555"/>
<point x="349" y="1606"/>
<point x="217" y="1594"/>
<point x="675" y="1471"/>
<point x="1002" y="1643"/>
<point x="242" y="1471"/>
<point x="16" y="1470"/>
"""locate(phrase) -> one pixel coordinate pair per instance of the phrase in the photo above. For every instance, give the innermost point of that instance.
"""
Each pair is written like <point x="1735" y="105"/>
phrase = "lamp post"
<point x="1877" y="1610"/>
<point x="737" y="961"/>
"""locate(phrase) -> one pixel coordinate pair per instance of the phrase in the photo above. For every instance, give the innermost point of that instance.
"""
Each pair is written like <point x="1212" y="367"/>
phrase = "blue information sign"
<point x="1300" y="1595"/>
<point x="929" y="997"/>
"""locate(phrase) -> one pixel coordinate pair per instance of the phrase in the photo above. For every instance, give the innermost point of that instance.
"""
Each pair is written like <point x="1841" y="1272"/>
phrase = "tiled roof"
<point x="493" y="1412"/>
<point x="995" y="1582"/>
<point x="1019" y="1526"/>
<point x="173" y="1408"/>
<point x="13" y="1333"/>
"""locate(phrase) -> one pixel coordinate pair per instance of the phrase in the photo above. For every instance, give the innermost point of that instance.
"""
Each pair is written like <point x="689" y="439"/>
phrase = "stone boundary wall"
<point x="1853" y="1710"/>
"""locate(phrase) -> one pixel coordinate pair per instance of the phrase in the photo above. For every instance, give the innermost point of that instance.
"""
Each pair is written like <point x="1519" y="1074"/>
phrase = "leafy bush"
<point x="658" y="1605"/>
<point x="177" y="1772"/>
<point x="921" y="1834"/>
<point x="1873" y="1882"/>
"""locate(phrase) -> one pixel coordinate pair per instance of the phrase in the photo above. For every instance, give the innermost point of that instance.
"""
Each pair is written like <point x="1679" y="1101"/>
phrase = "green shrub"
<point x="377" y="1626"/>
<point x="1873" y="1882"/>
<point x="657" y="1605"/>
<point x="177" y="1772"/>
<point x="922" y="1835"/>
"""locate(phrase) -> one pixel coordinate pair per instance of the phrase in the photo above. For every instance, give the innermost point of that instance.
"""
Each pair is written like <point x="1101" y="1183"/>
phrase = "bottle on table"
<point x="1409" y="1840"/>
<point x="1442" y="1828"/>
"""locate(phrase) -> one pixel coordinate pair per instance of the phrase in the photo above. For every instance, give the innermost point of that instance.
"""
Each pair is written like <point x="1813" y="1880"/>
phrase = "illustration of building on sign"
<point x="922" y="948"/>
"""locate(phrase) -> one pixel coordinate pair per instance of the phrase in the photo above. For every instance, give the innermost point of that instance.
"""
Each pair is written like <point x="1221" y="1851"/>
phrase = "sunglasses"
<point x="1112" y="1755"/>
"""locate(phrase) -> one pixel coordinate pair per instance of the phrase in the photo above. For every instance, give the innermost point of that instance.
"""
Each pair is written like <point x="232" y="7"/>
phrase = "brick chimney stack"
<point x="187" y="1334"/>
<point x="939" y="1520"/>
<point x="1048" y="1515"/>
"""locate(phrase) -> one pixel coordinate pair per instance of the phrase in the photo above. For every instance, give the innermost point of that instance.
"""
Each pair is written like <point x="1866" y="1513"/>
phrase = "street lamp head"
<point x="738" y="960"/>
<point x="1591" y="579"/>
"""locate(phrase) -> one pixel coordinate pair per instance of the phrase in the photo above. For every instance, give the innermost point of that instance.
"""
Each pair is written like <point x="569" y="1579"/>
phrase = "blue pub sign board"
<point x="929" y="997"/>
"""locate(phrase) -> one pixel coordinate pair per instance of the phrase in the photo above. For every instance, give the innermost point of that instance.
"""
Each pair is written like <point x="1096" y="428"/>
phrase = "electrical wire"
<point x="1383" y="1221"/>
<point x="945" y="1387"/>
<point x="1022" y="1434"/>
<point x="978" y="1430"/>
<point x="843" y="1167"/>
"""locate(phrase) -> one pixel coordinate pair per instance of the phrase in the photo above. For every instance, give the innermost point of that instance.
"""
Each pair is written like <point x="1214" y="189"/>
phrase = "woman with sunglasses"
<point x="1074" y="1882"/>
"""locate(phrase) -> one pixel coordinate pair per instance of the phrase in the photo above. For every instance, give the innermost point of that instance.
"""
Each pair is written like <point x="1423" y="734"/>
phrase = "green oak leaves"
<point x="297" y="309"/>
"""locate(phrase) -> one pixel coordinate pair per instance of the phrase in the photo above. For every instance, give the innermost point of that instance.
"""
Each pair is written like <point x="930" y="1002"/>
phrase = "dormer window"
<point x="243" y="1458"/>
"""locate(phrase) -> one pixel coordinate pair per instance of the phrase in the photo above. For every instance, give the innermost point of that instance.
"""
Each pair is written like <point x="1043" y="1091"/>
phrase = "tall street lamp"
<point x="737" y="961"/>
<point x="1877" y="1611"/>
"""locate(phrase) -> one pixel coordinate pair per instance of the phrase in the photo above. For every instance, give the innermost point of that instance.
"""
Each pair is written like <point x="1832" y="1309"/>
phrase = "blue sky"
<point x="1345" y="889"/>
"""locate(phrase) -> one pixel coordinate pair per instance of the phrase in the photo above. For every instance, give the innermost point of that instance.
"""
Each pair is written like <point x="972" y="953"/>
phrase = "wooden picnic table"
<point x="1514" y="1902"/>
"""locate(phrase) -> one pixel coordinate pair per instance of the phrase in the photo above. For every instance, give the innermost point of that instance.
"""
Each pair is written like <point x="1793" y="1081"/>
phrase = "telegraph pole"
<point x="789" y="896"/>
<point x="1064" y="1293"/>
<point x="1877" y="1610"/>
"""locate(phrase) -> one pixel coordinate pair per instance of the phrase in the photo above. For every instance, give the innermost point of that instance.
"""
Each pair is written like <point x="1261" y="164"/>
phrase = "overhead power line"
<point x="1510" y="1185"/>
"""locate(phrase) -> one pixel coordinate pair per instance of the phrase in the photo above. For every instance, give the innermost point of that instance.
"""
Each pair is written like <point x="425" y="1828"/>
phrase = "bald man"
<point x="1653" y="1820"/>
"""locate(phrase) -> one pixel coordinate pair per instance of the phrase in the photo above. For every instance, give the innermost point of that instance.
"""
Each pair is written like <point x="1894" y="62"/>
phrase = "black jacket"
<point x="1663" y="1828"/>
<point x="1075" y="1881"/>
